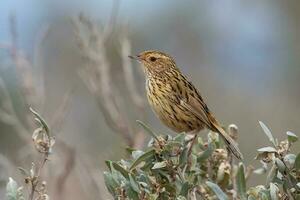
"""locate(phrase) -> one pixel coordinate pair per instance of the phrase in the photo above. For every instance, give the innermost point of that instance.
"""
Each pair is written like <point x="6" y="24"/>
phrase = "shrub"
<point x="165" y="170"/>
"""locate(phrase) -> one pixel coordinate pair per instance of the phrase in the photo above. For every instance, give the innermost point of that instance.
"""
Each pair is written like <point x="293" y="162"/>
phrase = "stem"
<point x="35" y="182"/>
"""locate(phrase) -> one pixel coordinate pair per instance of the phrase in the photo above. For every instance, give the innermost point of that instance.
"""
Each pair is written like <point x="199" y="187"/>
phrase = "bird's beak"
<point x="137" y="57"/>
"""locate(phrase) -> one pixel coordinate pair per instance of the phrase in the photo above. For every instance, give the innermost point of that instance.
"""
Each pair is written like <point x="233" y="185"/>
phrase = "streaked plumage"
<point x="175" y="100"/>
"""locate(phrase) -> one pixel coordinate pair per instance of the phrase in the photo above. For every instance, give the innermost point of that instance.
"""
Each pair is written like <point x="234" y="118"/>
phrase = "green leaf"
<point x="208" y="152"/>
<point x="108" y="164"/>
<point x="181" y="198"/>
<point x="268" y="133"/>
<point x="267" y="149"/>
<point x="130" y="150"/>
<point x="147" y="155"/>
<point x="297" y="162"/>
<point x="137" y="153"/>
<point x="133" y="195"/>
<point x="13" y="192"/>
<point x="180" y="137"/>
<point x="110" y="183"/>
<point x="280" y="165"/>
<point x="251" y="197"/>
<point x="217" y="190"/>
<point x="171" y="145"/>
<point x="134" y="184"/>
<point x="159" y="165"/>
<point x="183" y="157"/>
<point x="264" y="196"/>
<point x="213" y="136"/>
<point x="289" y="160"/>
<point x="23" y="171"/>
<point x="41" y="120"/>
<point x="292" y="137"/>
<point x="185" y="189"/>
<point x="271" y="174"/>
<point x="11" y="189"/>
<point x="120" y="169"/>
<point x="273" y="191"/>
<point x="147" y="129"/>
<point x="260" y="171"/>
<point x="241" y="182"/>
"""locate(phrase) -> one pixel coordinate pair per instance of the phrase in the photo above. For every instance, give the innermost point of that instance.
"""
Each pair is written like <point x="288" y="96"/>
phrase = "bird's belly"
<point x="174" y="115"/>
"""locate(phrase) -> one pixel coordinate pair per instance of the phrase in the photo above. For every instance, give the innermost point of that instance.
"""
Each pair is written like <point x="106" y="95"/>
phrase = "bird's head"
<point x="155" y="62"/>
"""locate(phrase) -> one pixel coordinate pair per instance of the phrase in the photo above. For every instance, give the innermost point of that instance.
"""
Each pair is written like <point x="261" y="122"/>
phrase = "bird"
<point x="176" y="101"/>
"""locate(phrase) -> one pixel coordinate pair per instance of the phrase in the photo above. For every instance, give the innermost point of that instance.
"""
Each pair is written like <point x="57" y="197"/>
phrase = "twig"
<point x="62" y="111"/>
<point x="98" y="79"/>
<point x="43" y="143"/>
<point x="128" y="72"/>
<point x="23" y="66"/>
<point x="8" y="114"/>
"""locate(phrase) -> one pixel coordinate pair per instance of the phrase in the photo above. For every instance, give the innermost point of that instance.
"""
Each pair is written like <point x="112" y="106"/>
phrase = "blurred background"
<point x="68" y="60"/>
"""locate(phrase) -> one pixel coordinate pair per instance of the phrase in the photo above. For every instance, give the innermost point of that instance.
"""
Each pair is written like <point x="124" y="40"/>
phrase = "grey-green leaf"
<point x="204" y="155"/>
<point x="217" y="190"/>
<point x="273" y="191"/>
<point x="267" y="149"/>
<point x="185" y="189"/>
<point x="109" y="182"/>
<point x="41" y="120"/>
<point x="11" y="189"/>
<point x="147" y="129"/>
<point x="289" y="160"/>
<point x="183" y="157"/>
<point x="251" y="197"/>
<point x="120" y="169"/>
<point x="271" y="174"/>
<point x="180" y="137"/>
<point x="241" y="182"/>
<point x="13" y="192"/>
<point x="147" y="155"/>
<point x="137" y="153"/>
<point x="280" y="165"/>
<point x="159" y="165"/>
<point x="292" y="137"/>
<point x="23" y="171"/>
<point x="297" y="162"/>
<point x="134" y="184"/>
<point x="181" y="198"/>
<point x="268" y="133"/>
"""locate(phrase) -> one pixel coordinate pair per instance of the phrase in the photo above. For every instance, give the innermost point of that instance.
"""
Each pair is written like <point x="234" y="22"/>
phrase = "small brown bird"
<point x="175" y="100"/>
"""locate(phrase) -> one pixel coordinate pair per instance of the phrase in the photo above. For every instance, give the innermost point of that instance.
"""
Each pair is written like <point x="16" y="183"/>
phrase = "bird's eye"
<point x="152" y="59"/>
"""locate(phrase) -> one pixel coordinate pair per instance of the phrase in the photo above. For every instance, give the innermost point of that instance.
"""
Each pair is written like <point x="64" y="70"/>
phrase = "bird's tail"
<point x="231" y="144"/>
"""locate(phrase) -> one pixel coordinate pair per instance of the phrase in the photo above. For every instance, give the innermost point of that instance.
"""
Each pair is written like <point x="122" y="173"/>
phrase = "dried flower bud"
<point x="266" y="157"/>
<point x="283" y="148"/>
<point x="43" y="197"/>
<point x="223" y="174"/>
<point x="233" y="131"/>
<point x="219" y="155"/>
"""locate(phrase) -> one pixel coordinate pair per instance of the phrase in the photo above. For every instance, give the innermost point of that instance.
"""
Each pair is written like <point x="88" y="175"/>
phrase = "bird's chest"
<point x="163" y="99"/>
<point x="158" y="95"/>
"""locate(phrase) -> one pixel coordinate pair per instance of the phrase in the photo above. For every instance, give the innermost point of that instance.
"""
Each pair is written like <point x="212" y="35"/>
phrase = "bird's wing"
<point x="198" y="108"/>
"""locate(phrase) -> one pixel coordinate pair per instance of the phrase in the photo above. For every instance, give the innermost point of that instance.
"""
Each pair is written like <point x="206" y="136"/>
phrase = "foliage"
<point x="43" y="143"/>
<point x="165" y="170"/>
<point x="13" y="191"/>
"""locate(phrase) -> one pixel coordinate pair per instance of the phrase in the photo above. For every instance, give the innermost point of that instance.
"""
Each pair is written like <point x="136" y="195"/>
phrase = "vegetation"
<point x="164" y="170"/>
<point x="43" y="143"/>
<point x="167" y="169"/>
